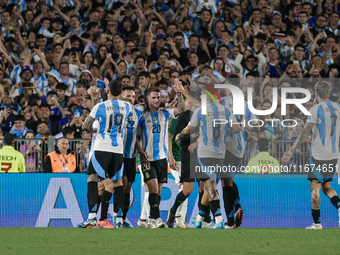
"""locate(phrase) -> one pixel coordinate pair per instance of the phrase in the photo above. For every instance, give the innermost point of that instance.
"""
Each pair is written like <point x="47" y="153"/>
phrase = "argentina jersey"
<point x="112" y="116"/>
<point x="236" y="143"/>
<point x="130" y="132"/>
<point x="211" y="142"/>
<point x="153" y="128"/>
<point x="325" y="139"/>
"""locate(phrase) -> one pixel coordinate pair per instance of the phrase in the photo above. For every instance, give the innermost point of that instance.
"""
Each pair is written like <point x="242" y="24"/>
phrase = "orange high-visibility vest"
<point x="62" y="164"/>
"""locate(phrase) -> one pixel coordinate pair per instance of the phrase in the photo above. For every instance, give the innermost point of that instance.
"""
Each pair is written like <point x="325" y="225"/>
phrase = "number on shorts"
<point x="146" y="166"/>
<point x="334" y="117"/>
<point x="117" y="120"/>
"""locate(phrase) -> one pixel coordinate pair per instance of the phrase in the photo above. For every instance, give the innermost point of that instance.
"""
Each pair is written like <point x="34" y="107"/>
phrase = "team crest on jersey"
<point x="155" y="119"/>
<point x="114" y="101"/>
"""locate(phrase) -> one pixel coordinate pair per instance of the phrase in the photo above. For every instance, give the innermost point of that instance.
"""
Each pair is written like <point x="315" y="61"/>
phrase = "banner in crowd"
<point x="59" y="200"/>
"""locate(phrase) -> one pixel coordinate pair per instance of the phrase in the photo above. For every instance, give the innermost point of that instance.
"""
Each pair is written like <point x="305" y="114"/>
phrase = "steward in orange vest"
<point x="61" y="161"/>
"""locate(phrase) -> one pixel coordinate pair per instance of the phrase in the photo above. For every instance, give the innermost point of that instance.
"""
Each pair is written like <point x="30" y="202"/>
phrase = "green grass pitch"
<point x="167" y="241"/>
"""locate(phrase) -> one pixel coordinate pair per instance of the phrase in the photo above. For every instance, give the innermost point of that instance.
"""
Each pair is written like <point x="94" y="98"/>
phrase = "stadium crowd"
<point x="54" y="56"/>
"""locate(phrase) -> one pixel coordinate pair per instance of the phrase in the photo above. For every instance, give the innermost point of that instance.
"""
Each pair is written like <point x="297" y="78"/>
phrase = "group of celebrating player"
<point x="122" y="129"/>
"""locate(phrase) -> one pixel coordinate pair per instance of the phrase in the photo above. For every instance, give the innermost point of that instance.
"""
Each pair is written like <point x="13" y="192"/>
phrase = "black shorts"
<point x="187" y="165"/>
<point x="204" y="163"/>
<point x="106" y="165"/>
<point x="156" y="170"/>
<point x="322" y="170"/>
<point x="130" y="169"/>
<point x="232" y="162"/>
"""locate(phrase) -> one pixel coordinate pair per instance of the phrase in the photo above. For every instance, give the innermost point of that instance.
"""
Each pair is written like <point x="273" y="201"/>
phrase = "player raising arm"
<point x="107" y="159"/>
<point x="324" y="123"/>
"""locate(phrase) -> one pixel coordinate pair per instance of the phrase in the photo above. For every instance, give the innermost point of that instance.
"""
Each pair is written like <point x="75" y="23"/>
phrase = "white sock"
<point x="199" y="218"/>
<point x="218" y="219"/>
<point x="146" y="207"/>
<point x="92" y="215"/>
<point x="119" y="220"/>
<point x="182" y="210"/>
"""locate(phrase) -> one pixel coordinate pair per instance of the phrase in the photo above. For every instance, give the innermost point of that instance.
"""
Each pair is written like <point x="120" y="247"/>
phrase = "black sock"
<point x="316" y="216"/>
<point x="98" y="202"/>
<point x="229" y="204"/>
<point x="118" y="199"/>
<point x="92" y="196"/>
<point x="215" y="207"/>
<point x="106" y="197"/>
<point x="237" y="202"/>
<point x="126" y="205"/>
<point x="179" y="200"/>
<point x="199" y="199"/>
<point x="335" y="201"/>
<point x="204" y="210"/>
<point x="154" y="205"/>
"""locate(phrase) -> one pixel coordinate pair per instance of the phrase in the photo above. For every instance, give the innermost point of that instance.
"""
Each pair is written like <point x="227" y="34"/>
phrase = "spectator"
<point x="61" y="160"/>
<point x="31" y="152"/>
<point x="53" y="125"/>
<point x="11" y="161"/>
<point x="19" y="129"/>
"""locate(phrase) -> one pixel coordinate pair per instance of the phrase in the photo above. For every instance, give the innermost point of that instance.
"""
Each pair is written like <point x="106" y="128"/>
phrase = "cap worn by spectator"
<point x="77" y="112"/>
<point x="58" y="20"/>
<point x="25" y="68"/>
<point x="49" y="48"/>
<point x="9" y="138"/>
<point x="161" y="36"/>
<point x="87" y="71"/>
<point x="55" y="74"/>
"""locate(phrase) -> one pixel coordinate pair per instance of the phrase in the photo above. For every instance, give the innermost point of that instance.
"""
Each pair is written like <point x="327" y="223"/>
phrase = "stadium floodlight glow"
<point x="238" y="100"/>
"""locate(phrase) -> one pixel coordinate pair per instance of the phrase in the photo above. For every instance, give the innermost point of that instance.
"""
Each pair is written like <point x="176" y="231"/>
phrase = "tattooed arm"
<point x="301" y="138"/>
<point x="87" y="125"/>
<point x="180" y="105"/>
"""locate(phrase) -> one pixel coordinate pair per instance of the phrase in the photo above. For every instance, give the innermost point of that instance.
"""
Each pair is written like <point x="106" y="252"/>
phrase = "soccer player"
<point x="324" y="123"/>
<point x="107" y="158"/>
<point x="210" y="152"/>
<point x="130" y="135"/>
<point x="235" y="149"/>
<point x="153" y="128"/>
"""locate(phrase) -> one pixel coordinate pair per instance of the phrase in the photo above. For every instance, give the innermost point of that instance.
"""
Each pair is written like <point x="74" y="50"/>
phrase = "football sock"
<point x="199" y="199"/>
<point x="237" y="202"/>
<point x="146" y="207"/>
<point x="118" y="200"/>
<point x="216" y="211"/>
<point x="316" y="216"/>
<point x="92" y="197"/>
<point x="98" y="202"/>
<point x="154" y="205"/>
<point x="126" y="205"/>
<point x="159" y="200"/>
<point x="179" y="200"/>
<point x="335" y="201"/>
<point x="228" y="204"/>
<point x="106" y="197"/>
<point x="182" y="210"/>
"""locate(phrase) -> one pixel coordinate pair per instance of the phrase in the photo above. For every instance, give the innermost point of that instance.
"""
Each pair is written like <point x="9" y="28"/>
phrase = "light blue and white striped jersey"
<point x="112" y="115"/>
<point x="71" y="83"/>
<point x="211" y="142"/>
<point x="130" y="135"/>
<point x="47" y="89"/>
<point x="22" y="4"/>
<point x="153" y="128"/>
<point x="40" y="82"/>
<point x="15" y="74"/>
<point x="325" y="140"/>
<point x="236" y="143"/>
<point x="91" y="48"/>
